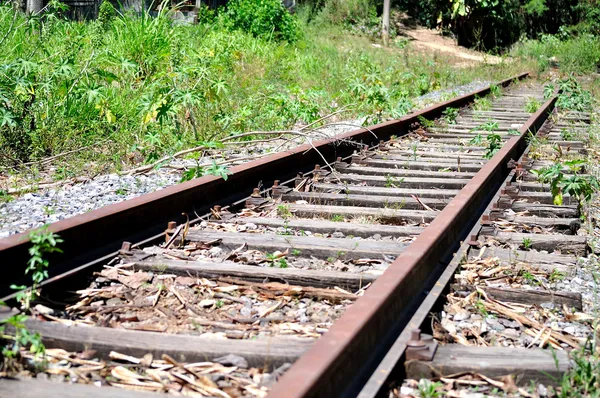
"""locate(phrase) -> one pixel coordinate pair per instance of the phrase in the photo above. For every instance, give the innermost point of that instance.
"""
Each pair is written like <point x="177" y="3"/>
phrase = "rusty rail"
<point x="340" y="362"/>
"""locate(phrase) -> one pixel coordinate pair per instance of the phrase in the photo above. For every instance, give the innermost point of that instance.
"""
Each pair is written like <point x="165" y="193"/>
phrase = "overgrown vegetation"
<point x="131" y="89"/>
<point x="43" y="242"/>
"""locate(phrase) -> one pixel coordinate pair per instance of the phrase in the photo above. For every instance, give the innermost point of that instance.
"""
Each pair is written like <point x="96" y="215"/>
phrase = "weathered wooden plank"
<point x="307" y="245"/>
<point x="328" y="227"/>
<point x="543" y="210"/>
<point x="533" y="197"/>
<point x="399" y="172"/>
<point x="444" y="147"/>
<point x="301" y="277"/>
<point x="33" y="388"/>
<point x="420" y="165"/>
<point x="401" y="182"/>
<point x="384" y="216"/>
<point x="571" y="244"/>
<point x="343" y="199"/>
<point x="543" y="261"/>
<point x="272" y="351"/>
<point x="385" y="191"/>
<point x="432" y="155"/>
<point x="526" y="365"/>
<point x="571" y="224"/>
<point x="570" y="299"/>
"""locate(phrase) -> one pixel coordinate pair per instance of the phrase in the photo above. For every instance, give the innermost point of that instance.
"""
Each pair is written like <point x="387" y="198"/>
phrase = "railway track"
<point x="314" y="286"/>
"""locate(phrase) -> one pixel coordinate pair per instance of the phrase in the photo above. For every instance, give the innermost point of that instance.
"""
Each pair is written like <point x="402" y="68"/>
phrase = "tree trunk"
<point x="385" y="31"/>
<point x="34" y="6"/>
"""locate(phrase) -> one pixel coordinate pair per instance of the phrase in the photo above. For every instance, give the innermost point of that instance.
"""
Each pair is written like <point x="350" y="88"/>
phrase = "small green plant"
<point x="296" y="252"/>
<point x="532" y="105"/>
<point x="480" y="307"/>
<point x="579" y="186"/>
<point x="529" y="278"/>
<point x="393" y="182"/>
<point x="450" y="115"/>
<point x="276" y="260"/>
<point x="477" y="140"/>
<point x="494" y="145"/>
<point x="430" y="389"/>
<point x="556" y="276"/>
<point x="426" y="123"/>
<point x="548" y="90"/>
<point x="219" y="303"/>
<point x="482" y="104"/>
<point x="337" y="218"/>
<point x="495" y="90"/>
<point x="284" y="211"/>
<point x="566" y="135"/>
<point x="199" y="171"/>
<point x="513" y="132"/>
<point x="487" y="126"/>
<point x="414" y="148"/>
<point x="43" y="243"/>
<point x="582" y="379"/>
<point x="526" y="243"/>
<point x="121" y="191"/>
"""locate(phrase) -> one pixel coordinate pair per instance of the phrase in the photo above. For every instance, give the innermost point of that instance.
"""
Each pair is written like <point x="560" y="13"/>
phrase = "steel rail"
<point x="391" y="367"/>
<point x="100" y="233"/>
<point x="338" y="363"/>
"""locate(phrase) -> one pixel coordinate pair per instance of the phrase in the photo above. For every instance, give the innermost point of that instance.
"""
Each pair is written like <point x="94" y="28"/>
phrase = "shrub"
<point x="262" y="18"/>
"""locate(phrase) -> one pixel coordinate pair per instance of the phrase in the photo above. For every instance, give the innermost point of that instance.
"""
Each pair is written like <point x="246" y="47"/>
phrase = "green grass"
<point x="136" y="88"/>
<point x="579" y="54"/>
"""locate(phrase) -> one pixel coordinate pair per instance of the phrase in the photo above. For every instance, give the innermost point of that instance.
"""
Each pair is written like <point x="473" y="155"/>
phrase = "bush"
<point x="262" y="18"/>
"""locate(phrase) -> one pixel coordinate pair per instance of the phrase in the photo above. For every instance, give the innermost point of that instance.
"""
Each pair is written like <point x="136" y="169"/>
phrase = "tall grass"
<point x="579" y="54"/>
<point x="144" y="86"/>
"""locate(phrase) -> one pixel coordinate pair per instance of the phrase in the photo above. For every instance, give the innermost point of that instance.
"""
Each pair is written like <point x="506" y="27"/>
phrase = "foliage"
<point x="579" y="186"/>
<point x="572" y="96"/>
<point x="582" y="379"/>
<point x="494" y="144"/>
<point x="145" y="87"/>
<point x="579" y="53"/>
<point x="262" y="18"/>
<point x="43" y="243"/>
<point x="214" y="169"/>
<point x="532" y="105"/>
<point x="495" y="24"/>
<point x="450" y="115"/>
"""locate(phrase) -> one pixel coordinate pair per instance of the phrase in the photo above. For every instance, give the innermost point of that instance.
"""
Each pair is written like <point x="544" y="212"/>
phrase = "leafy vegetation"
<point x="581" y="187"/>
<point x="43" y="243"/>
<point x="133" y="88"/>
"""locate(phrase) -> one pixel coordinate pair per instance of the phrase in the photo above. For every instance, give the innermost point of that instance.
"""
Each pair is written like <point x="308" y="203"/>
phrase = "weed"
<point x="487" y="126"/>
<point x="494" y="144"/>
<point x="513" y="132"/>
<point x="532" y="105"/>
<point x="426" y="123"/>
<point x="43" y="243"/>
<point x="219" y="303"/>
<point x="480" y="307"/>
<point x="477" y="140"/>
<point x="296" y="252"/>
<point x="566" y="135"/>
<point x="495" y="90"/>
<point x="556" y="276"/>
<point x="528" y="277"/>
<point x="430" y="389"/>
<point x="393" y="182"/>
<point x="284" y="211"/>
<point x="337" y="218"/>
<point x="482" y="104"/>
<point x="450" y="115"/>
<point x="582" y="379"/>
<point x="579" y="186"/>
<point x="526" y="243"/>
<point x="121" y="191"/>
